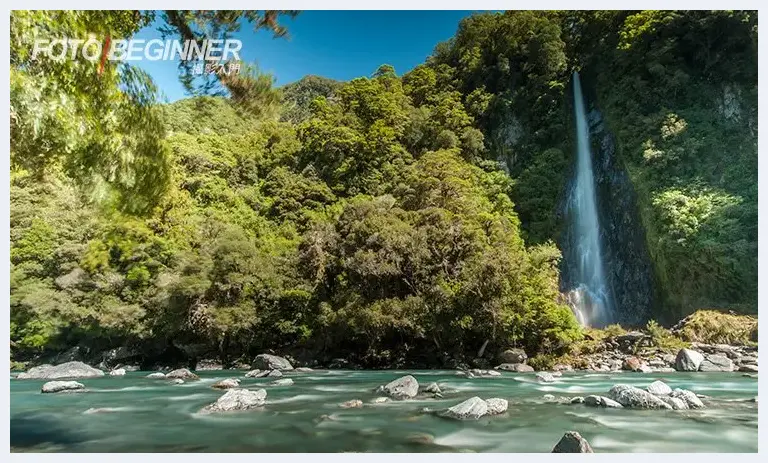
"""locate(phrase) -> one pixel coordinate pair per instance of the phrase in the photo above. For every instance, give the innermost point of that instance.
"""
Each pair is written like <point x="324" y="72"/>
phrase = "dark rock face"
<point x="626" y="261"/>
<point x="572" y="442"/>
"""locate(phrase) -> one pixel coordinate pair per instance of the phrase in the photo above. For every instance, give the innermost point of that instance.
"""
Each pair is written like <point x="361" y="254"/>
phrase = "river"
<point x="149" y="415"/>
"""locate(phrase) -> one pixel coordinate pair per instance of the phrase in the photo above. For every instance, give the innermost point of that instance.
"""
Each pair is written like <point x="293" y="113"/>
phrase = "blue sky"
<point x="337" y="44"/>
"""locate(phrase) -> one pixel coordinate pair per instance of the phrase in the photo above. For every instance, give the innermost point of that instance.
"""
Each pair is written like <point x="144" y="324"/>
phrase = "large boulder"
<point x="572" y="442"/>
<point x="516" y="367"/>
<point x="271" y="362"/>
<point x="688" y="360"/>
<point x="64" y="370"/>
<point x="228" y="383"/>
<point x="61" y="386"/>
<point x="716" y="362"/>
<point x="496" y="406"/>
<point x="405" y="387"/>
<point x="513" y="356"/>
<point x="690" y="398"/>
<point x="470" y="409"/>
<point x="182" y="373"/>
<point x="659" y="388"/>
<point x="633" y="397"/>
<point x="237" y="400"/>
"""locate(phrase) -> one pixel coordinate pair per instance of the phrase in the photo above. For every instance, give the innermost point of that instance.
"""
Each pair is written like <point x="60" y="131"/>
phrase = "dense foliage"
<point x="388" y="220"/>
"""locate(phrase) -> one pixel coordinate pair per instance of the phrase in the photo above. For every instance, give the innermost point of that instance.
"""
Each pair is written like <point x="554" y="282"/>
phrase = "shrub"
<point x="715" y="327"/>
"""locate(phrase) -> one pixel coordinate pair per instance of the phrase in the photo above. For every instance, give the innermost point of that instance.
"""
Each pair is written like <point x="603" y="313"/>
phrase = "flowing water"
<point x="136" y="414"/>
<point x="590" y="296"/>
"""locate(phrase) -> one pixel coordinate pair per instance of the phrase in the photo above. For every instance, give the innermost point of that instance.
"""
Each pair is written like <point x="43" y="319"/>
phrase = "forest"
<point x="390" y="220"/>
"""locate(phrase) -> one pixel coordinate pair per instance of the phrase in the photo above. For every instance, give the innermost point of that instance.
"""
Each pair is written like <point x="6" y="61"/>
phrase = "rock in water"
<point x="118" y="372"/>
<point x="716" y="363"/>
<point x="282" y="382"/>
<point x="177" y="381"/>
<point x="748" y="368"/>
<point x="690" y="398"/>
<point x="674" y="402"/>
<point x="181" y="373"/>
<point x="64" y="370"/>
<point x="433" y="388"/>
<point x="228" y="383"/>
<point x="513" y="356"/>
<point x="402" y="388"/>
<point x="61" y="386"/>
<point x="253" y="374"/>
<point x="274" y="374"/>
<point x="572" y="442"/>
<point x="516" y="367"/>
<point x="633" y="397"/>
<point x="545" y="377"/>
<point x="237" y="400"/>
<point x="600" y="401"/>
<point x="659" y="388"/>
<point x="496" y="406"/>
<point x="356" y="403"/>
<point x="380" y="400"/>
<point x="156" y="375"/>
<point x="303" y="369"/>
<point x="470" y="409"/>
<point x="271" y="362"/>
<point x="688" y="360"/>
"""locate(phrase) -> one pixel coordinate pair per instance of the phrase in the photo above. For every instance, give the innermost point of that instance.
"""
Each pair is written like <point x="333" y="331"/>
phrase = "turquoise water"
<point x="145" y="415"/>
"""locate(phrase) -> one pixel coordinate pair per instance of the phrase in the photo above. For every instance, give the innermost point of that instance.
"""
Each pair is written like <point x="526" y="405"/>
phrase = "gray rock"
<point x="674" y="402"/>
<point x="303" y="369"/>
<point x="253" y="374"/>
<point x="470" y="409"/>
<point x="496" y="406"/>
<point x="688" y="360"/>
<point x="405" y="387"/>
<point x="545" y="377"/>
<point x="64" y="370"/>
<point x="177" y="381"/>
<point x="659" y="388"/>
<point x="237" y="400"/>
<point x="577" y="400"/>
<point x="380" y="400"/>
<point x="356" y="403"/>
<point x="572" y="442"/>
<point x="228" y="383"/>
<point x="688" y="397"/>
<point x="516" y="367"/>
<point x="549" y="398"/>
<point x="562" y="367"/>
<point x="282" y="382"/>
<point x="600" y="401"/>
<point x="633" y="397"/>
<point x="515" y="355"/>
<point x="645" y="369"/>
<point x="61" y="386"/>
<point x="716" y="362"/>
<point x="271" y="362"/>
<point x="274" y="374"/>
<point x="182" y="373"/>
<point x="663" y="370"/>
<point x="748" y="368"/>
<point x="117" y="372"/>
<point x="433" y="388"/>
<point x="156" y="375"/>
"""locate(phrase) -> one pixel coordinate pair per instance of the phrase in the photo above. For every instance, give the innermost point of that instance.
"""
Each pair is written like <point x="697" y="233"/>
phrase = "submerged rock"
<point x="182" y="373"/>
<point x="577" y="400"/>
<point x="64" y="370"/>
<point x="303" y="369"/>
<point x="117" y="372"/>
<point x="690" y="398"/>
<point x="253" y="374"/>
<point x="633" y="397"/>
<point x="61" y="386"/>
<point x="405" y="387"/>
<point x="380" y="400"/>
<point x="282" y="382"/>
<point x="545" y="377"/>
<point x="271" y="362"/>
<point x="716" y="363"/>
<point x="237" y="400"/>
<point x="688" y="360"/>
<point x="433" y="388"/>
<point x="659" y="388"/>
<point x="156" y="375"/>
<point x="572" y="442"/>
<point x="600" y="401"/>
<point x="355" y="403"/>
<point x="516" y="367"/>
<point x="226" y="383"/>
<point x="274" y="374"/>
<point x="470" y="409"/>
<point x="177" y="381"/>
<point x="496" y="406"/>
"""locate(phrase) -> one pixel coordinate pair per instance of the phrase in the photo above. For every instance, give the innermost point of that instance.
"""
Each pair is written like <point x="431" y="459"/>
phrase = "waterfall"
<point x="589" y="295"/>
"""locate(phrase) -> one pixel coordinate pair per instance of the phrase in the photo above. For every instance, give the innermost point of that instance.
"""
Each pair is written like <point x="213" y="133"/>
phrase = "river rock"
<point x="716" y="362"/>
<point x="356" y="403"/>
<point x="182" y="373"/>
<point x="572" y="442"/>
<point x="577" y="400"/>
<point x="545" y="377"/>
<point x="659" y="388"/>
<point x="64" y="370"/>
<point x="674" y="402"/>
<point x="433" y="388"/>
<point x="515" y="355"/>
<point x="496" y="406"/>
<point x="380" y="400"/>
<point x="177" y="381"/>
<point x="516" y="367"/>
<point x="303" y="370"/>
<point x="632" y="364"/>
<point x="633" y="397"/>
<point x="237" y="400"/>
<point x="561" y="367"/>
<point x="275" y="374"/>
<point x="600" y="401"/>
<point x="228" y="383"/>
<point x="253" y="374"/>
<point x="271" y="362"/>
<point x="117" y="372"/>
<point x="156" y="375"/>
<point x="748" y="368"/>
<point x="688" y="360"/>
<point x="690" y="398"/>
<point x="61" y="386"/>
<point x="282" y="382"/>
<point x="470" y="409"/>
<point x="405" y="387"/>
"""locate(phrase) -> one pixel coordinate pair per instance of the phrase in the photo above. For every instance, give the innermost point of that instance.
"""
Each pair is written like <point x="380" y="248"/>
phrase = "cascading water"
<point x="589" y="295"/>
